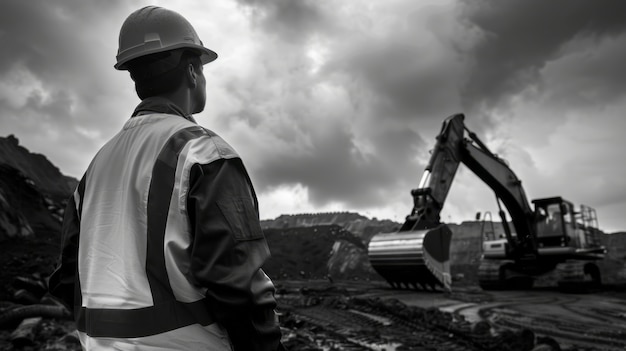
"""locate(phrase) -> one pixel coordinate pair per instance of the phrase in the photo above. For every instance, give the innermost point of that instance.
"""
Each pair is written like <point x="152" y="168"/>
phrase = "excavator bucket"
<point x="413" y="258"/>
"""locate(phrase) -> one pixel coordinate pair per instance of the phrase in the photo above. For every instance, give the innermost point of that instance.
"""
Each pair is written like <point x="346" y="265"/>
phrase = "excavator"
<point x="554" y="239"/>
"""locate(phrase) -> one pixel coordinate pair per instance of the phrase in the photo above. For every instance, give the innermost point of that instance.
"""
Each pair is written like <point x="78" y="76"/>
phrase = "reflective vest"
<point x="134" y="289"/>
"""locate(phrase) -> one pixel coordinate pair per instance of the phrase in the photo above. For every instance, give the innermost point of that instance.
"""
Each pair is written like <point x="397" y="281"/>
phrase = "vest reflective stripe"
<point x="78" y="196"/>
<point x="159" y="195"/>
<point x="78" y="199"/>
<point x="101" y="322"/>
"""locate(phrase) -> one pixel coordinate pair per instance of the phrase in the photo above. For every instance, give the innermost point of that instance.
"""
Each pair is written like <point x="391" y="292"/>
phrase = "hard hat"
<point x="153" y="29"/>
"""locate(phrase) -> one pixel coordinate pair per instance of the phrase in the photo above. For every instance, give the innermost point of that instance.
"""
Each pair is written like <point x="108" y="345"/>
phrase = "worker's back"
<point x="135" y="239"/>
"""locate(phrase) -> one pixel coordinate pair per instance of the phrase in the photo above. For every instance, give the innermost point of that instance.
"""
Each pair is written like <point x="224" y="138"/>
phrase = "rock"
<point x="25" y="297"/>
<point x="546" y="343"/>
<point x="12" y="222"/>
<point x="24" y="334"/>
<point x="16" y="315"/>
<point x="481" y="328"/>
<point x="543" y="347"/>
<point x="70" y="338"/>
<point x="33" y="285"/>
<point x="67" y="342"/>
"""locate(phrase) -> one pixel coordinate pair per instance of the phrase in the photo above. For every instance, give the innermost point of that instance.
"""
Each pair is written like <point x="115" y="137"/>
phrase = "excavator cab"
<point x="559" y="225"/>
<point x="552" y="219"/>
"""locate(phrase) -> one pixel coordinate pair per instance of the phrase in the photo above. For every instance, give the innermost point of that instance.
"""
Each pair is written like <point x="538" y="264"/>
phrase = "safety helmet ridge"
<point x="153" y="29"/>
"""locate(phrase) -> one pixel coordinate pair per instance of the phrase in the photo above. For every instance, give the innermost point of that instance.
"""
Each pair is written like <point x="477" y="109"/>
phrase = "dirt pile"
<point x="360" y="226"/>
<point x="24" y="208"/>
<point x="33" y="192"/>
<point x="320" y="252"/>
<point x="36" y="167"/>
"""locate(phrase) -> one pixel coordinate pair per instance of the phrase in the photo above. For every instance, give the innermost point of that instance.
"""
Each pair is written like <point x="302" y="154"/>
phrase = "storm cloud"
<point x="335" y="106"/>
<point x="516" y="40"/>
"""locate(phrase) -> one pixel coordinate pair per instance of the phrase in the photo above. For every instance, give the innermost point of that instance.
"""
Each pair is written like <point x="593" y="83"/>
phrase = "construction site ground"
<point x="320" y="315"/>
<point x="359" y="314"/>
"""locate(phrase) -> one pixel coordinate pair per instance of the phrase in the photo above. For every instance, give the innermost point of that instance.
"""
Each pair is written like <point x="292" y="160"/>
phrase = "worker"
<point x="162" y="245"/>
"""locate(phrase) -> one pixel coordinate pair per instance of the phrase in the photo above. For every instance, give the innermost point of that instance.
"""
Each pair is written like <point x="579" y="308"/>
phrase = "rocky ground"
<point x="352" y="311"/>
<point x="320" y="316"/>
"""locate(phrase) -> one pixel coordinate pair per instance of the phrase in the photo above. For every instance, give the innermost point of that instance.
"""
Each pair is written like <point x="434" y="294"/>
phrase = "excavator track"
<point x="499" y="275"/>
<point x="577" y="276"/>
<point x="489" y="275"/>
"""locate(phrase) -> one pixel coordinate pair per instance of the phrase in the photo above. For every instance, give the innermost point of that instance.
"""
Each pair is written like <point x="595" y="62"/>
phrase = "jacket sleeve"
<point x="228" y="251"/>
<point x="62" y="284"/>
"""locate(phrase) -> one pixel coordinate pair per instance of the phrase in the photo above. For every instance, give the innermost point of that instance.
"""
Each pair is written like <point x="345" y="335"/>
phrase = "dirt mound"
<point x="33" y="192"/>
<point x="320" y="252"/>
<point x="360" y="226"/>
<point x="24" y="209"/>
<point x="36" y="167"/>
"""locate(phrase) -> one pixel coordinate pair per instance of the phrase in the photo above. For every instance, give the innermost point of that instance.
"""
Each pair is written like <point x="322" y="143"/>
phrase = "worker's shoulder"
<point x="188" y="137"/>
<point x="224" y="149"/>
<point x="197" y="140"/>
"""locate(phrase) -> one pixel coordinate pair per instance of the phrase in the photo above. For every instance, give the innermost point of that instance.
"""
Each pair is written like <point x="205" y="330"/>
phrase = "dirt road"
<point x="371" y="316"/>
<point x="590" y="320"/>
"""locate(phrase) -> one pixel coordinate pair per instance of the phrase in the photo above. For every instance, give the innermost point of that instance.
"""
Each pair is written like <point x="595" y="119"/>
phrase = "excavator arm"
<point x="496" y="174"/>
<point x="429" y="197"/>
<point x="419" y="252"/>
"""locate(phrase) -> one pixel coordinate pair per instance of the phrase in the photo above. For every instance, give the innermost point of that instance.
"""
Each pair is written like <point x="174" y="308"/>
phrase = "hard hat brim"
<point x="206" y="55"/>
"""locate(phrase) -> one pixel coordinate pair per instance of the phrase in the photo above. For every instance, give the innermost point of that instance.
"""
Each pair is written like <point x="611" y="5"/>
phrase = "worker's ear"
<point x="192" y="76"/>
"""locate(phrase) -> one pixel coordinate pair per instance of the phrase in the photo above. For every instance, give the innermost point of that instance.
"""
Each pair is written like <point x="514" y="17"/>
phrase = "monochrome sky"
<point x="334" y="105"/>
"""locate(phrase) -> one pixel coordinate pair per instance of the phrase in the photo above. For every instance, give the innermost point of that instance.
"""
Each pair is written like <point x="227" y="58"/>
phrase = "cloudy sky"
<point x="334" y="105"/>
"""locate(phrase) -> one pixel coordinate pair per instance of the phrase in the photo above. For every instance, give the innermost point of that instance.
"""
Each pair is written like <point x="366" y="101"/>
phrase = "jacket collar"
<point x="160" y="105"/>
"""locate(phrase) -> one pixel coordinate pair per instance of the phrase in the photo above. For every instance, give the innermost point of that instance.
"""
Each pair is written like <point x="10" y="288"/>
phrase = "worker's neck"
<point x="182" y="99"/>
